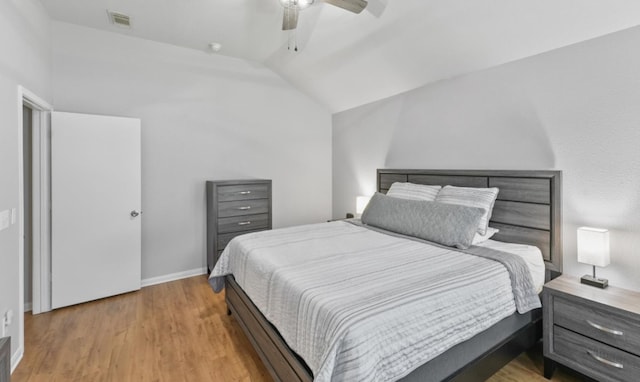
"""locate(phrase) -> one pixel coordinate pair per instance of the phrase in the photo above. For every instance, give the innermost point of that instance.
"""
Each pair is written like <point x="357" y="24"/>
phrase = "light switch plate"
<point x="5" y="219"/>
<point x="14" y="215"/>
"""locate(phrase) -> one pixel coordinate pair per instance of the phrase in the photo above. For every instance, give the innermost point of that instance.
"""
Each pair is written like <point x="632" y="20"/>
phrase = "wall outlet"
<point x="5" y="219"/>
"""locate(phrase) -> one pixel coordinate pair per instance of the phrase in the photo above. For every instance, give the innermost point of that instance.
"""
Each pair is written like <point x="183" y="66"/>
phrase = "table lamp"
<point x="361" y="204"/>
<point x="593" y="249"/>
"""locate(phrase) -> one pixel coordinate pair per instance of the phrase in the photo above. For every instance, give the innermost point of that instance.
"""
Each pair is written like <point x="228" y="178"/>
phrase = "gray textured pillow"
<point x="447" y="224"/>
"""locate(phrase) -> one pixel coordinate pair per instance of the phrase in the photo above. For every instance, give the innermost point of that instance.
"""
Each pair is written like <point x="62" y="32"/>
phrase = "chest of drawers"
<point x="593" y="331"/>
<point x="235" y="207"/>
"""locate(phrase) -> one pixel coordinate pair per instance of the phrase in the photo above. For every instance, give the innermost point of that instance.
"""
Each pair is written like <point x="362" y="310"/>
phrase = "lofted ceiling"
<point x="346" y="60"/>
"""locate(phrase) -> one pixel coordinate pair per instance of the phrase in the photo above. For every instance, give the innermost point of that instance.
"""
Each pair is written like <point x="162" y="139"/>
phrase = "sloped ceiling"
<point x="346" y="60"/>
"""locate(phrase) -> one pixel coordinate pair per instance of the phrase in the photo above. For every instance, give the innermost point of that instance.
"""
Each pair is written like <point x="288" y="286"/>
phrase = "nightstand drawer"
<point x="243" y="207"/>
<point x="243" y="223"/>
<point x="594" y="358"/>
<point x="243" y="192"/>
<point x="608" y="327"/>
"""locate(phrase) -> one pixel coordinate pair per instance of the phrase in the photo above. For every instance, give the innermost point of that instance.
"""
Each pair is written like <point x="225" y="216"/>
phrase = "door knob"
<point x="135" y="213"/>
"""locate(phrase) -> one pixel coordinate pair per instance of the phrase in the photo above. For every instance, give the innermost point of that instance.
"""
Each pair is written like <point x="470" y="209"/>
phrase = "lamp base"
<point x="594" y="281"/>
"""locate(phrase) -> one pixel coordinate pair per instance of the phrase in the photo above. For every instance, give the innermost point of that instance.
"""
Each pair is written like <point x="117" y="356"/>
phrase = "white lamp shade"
<point x="593" y="246"/>
<point x="361" y="203"/>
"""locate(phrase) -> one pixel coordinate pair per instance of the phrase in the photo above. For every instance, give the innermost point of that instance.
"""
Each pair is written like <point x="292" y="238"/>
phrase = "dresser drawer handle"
<point x="605" y="361"/>
<point x="244" y="223"/>
<point x="244" y="192"/>
<point x="606" y="330"/>
<point x="243" y="208"/>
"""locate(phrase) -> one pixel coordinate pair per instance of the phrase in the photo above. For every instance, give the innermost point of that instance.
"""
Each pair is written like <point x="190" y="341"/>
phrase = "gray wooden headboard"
<point x="528" y="209"/>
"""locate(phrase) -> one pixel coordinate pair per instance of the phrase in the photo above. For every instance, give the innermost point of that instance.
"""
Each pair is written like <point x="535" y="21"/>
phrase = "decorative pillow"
<point x="447" y="224"/>
<point x="413" y="191"/>
<point x="473" y="197"/>
<point x="477" y="239"/>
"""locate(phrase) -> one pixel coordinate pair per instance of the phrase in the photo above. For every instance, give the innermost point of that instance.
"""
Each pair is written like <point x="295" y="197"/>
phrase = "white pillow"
<point x="472" y="197"/>
<point x="413" y="191"/>
<point x="477" y="239"/>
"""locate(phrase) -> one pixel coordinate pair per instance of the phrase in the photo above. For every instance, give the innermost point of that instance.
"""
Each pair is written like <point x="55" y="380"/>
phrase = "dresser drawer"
<point x="243" y="207"/>
<point x="243" y="192"/>
<point x="225" y="238"/>
<point x="5" y="359"/>
<point x="243" y="223"/>
<point x="594" y="358"/>
<point x="608" y="327"/>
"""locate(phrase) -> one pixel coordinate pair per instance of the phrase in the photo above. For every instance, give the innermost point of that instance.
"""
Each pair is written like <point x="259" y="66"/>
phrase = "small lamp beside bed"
<point x="361" y="204"/>
<point x="593" y="249"/>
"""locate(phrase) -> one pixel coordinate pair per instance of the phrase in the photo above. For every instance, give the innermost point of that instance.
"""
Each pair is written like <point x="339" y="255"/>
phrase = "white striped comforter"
<point x="359" y="305"/>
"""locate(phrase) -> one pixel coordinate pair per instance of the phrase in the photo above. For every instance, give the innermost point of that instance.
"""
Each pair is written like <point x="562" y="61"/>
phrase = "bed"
<point x="527" y="211"/>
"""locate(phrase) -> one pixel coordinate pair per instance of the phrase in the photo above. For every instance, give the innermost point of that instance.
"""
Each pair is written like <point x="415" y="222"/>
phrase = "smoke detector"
<point x="119" y="19"/>
<point x="215" y="47"/>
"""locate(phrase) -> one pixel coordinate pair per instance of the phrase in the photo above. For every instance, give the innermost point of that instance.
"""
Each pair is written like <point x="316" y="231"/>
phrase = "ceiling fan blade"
<point x="290" y="19"/>
<point x="355" y="6"/>
<point x="377" y="7"/>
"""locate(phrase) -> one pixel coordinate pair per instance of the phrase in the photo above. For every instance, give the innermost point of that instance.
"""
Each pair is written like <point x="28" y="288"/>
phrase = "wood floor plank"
<point x="176" y="331"/>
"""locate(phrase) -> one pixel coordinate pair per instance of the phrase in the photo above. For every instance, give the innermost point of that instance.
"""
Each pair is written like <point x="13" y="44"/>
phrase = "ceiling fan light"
<point x="299" y="4"/>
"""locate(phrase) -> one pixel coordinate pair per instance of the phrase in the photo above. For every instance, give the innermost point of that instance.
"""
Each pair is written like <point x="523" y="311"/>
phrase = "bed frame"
<point x="528" y="210"/>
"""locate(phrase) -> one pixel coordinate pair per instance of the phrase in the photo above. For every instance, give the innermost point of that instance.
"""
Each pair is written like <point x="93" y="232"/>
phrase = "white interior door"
<point x="96" y="200"/>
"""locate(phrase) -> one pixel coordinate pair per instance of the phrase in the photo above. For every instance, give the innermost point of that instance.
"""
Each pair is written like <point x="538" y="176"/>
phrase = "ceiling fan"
<point x="293" y="7"/>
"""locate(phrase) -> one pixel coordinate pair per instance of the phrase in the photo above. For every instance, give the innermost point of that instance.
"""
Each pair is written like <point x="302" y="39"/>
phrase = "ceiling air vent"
<point x="119" y="19"/>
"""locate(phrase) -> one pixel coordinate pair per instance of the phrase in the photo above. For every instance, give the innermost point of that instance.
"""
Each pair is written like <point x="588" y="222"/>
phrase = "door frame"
<point x="41" y="205"/>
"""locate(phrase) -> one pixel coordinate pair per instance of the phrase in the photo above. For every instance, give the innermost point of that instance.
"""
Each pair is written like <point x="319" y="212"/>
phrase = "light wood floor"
<point x="177" y="331"/>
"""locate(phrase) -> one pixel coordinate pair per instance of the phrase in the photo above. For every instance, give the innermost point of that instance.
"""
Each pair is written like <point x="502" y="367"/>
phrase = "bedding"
<point x="447" y="224"/>
<point x="529" y="253"/>
<point x="477" y="238"/>
<point x="359" y="304"/>
<point x="412" y="191"/>
<point x="483" y="198"/>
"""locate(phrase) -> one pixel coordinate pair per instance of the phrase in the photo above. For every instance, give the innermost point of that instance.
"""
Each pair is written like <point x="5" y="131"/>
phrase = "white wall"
<point x="26" y="61"/>
<point x="203" y="117"/>
<point x="576" y="109"/>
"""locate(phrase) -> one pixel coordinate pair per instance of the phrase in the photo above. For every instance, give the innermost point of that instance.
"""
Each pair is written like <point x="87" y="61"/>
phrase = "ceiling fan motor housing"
<point x="293" y="7"/>
<point x="296" y="4"/>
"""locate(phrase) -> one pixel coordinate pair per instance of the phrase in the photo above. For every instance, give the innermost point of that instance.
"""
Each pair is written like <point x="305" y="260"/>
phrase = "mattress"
<point x="358" y="304"/>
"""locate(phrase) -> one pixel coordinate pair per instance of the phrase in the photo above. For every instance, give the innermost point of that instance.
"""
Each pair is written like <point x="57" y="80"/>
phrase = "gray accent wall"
<point x="204" y="117"/>
<point x="575" y="109"/>
<point x="25" y="60"/>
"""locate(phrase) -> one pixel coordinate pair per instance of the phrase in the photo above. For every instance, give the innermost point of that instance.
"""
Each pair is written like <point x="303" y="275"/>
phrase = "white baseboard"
<point x="16" y="358"/>
<point x="28" y="306"/>
<point x="173" y="276"/>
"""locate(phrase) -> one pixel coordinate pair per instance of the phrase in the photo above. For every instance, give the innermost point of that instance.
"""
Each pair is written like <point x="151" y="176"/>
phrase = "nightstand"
<point x="593" y="331"/>
<point x="349" y="216"/>
<point x="5" y="359"/>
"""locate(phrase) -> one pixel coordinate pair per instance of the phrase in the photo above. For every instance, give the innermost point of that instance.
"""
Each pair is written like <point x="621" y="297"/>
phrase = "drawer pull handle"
<point x="243" y="208"/>
<point x="244" y="223"/>
<point x="244" y="192"/>
<point x="605" y="361"/>
<point x="606" y="330"/>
